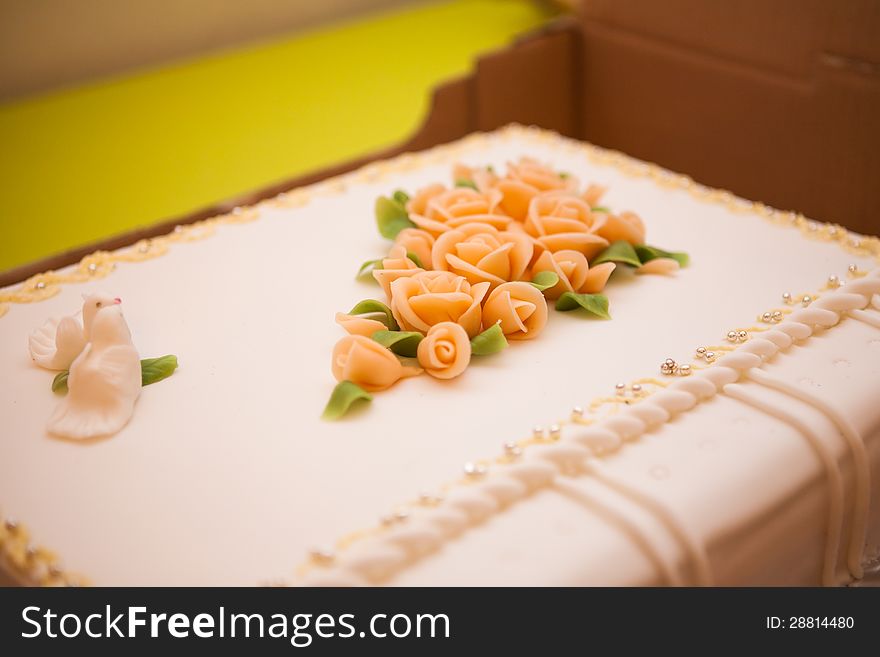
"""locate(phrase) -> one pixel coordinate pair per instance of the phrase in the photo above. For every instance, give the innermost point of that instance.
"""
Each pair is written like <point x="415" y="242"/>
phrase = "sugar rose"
<point x="367" y="363"/>
<point x="445" y="351"/>
<point x="575" y="273"/>
<point x="395" y="266"/>
<point x="562" y="222"/>
<point x="416" y="241"/>
<point x="428" y="298"/>
<point x="627" y="226"/>
<point x="482" y="253"/>
<point x="356" y="325"/>
<point x="484" y="178"/>
<point x="540" y="176"/>
<point x="519" y="307"/>
<point x="455" y="207"/>
<point x="526" y="179"/>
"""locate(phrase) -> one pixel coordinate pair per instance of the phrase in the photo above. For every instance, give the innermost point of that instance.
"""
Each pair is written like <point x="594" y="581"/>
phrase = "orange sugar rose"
<point x="420" y="301"/>
<point x="519" y="308"/>
<point x="367" y="363"/>
<point x="439" y="211"/>
<point x="395" y="266"/>
<point x="445" y="352"/>
<point x="416" y="241"/>
<point x="627" y="226"/>
<point x="482" y="253"/>
<point x="356" y="325"/>
<point x="559" y="222"/>
<point x="525" y="180"/>
<point x="575" y="273"/>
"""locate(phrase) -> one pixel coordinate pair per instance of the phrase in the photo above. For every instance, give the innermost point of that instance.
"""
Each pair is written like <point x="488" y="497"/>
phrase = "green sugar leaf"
<point x="59" y="383"/>
<point x="595" y="304"/>
<point x="391" y="217"/>
<point x="545" y="279"/>
<point x="412" y="256"/>
<point x="490" y="341"/>
<point x="401" y="197"/>
<point x="373" y="307"/>
<point x="564" y="174"/>
<point x="647" y="253"/>
<point x="369" y="266"/>
<point x="344" y="395"/>
<point x="620" y="251"/>
<point x="601" y="208"/>
<point x="464" y="182"/>
<point x="402" y="343"/>
<point x="156" y="369"/>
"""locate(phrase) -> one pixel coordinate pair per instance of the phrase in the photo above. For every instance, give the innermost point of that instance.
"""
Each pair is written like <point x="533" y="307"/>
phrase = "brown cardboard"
<point x="776" y="101"/>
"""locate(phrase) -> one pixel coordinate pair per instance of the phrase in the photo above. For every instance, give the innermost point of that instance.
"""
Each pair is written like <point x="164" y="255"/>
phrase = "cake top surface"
<point x="226" y="473"/>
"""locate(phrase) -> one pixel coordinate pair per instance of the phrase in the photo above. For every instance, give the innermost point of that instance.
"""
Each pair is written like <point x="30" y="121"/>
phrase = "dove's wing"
<point x="56" y="343"/>
<point x="69" y="342"/>
<point x="120" y="368"/>
<point x="103" y="387"/>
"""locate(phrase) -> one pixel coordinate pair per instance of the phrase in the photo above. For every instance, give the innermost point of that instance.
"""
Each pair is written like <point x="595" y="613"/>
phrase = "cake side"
<point x="253" y="343"/>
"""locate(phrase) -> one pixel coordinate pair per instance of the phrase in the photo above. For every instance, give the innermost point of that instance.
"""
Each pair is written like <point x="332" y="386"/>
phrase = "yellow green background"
<point x="85" y="163"/>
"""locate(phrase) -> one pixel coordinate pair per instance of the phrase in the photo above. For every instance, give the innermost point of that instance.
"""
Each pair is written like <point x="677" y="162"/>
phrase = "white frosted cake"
<point x="722" y="427"/>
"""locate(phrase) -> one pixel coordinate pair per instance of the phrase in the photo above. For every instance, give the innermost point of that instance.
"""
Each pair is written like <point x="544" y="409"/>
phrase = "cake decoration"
<point x="104" y="382"/>
<point x="98" y="368"/>
<point x="485" y="256"/>
<point x="56" y="344"/>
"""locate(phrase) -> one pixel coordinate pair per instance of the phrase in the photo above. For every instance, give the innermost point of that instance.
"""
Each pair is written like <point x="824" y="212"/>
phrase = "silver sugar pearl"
<point x="512" y="449"/>
<point x="766" y="317"/>
<point x="10" y="524"/>
<point x="684" y="370"/>
<point x="178" y="229"/>
<point x="237" y="211"/>
<point x="670" y="362"/>
<point x="577" y="411"/>
<point x="777" y="315"/>
<point x="555" y="431"/>
<point x="806" y="300"/>
<point x="710" y="355"/>
<point x="833" y="281"/>
<point x="856" y="243"/>
<point x="701" y="351"/>
<point x="93" y="267"/>
<point x="474" y="469"/>
<point x="538" y="432"/>
<point x="742" y="335"/>
<point x="852" y="268"/>
<point x="636" y="387"/>
<point x="786" y="297"/>
<point x="40" y="285"/>
<point x="620" y="387"/>
<point x="731" y="335"/>
<point x="144" y="248"/>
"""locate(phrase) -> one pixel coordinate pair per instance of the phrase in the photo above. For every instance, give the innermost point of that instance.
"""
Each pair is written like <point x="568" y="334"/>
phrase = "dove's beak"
<point x="117" y="300"/>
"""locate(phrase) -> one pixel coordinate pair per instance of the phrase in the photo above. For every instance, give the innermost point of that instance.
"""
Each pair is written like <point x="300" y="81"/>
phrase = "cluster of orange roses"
<point x="472" y="266"/>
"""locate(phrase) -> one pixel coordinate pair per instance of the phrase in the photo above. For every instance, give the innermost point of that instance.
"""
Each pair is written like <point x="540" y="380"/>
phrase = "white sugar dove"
<point x="104" y="381"/>
<point x="57" y="343"/>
